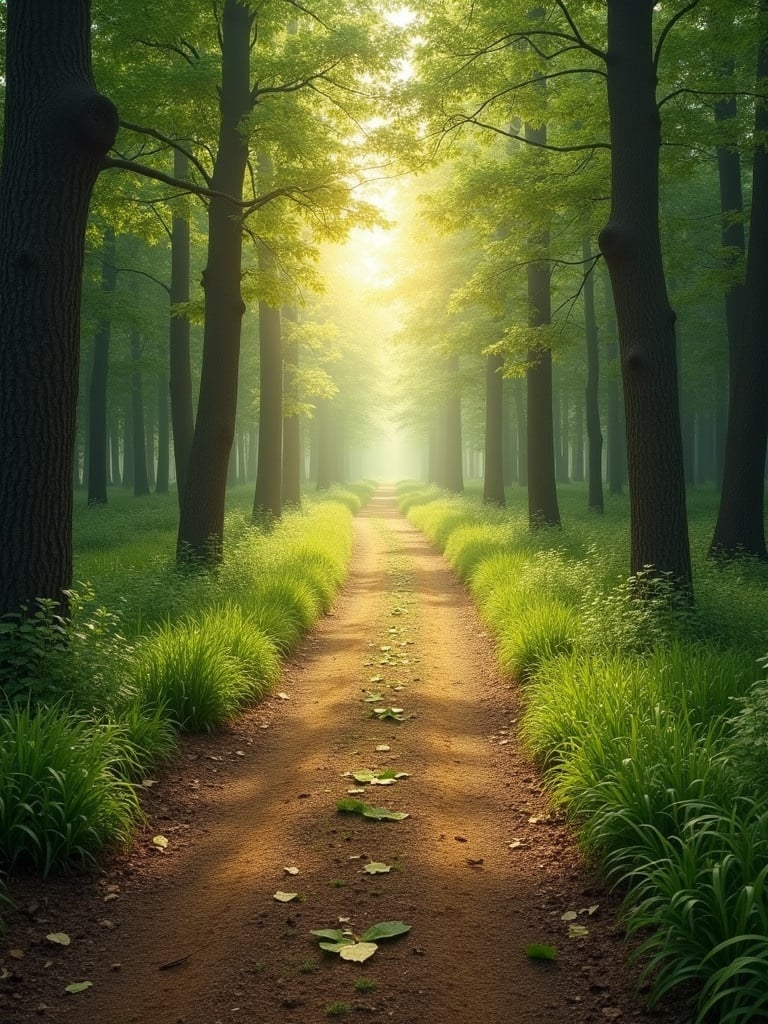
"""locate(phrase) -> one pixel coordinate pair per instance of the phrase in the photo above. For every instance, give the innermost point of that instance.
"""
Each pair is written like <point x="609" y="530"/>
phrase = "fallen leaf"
<point x="60" y="938"/>
<point x="285" y="897"/>
<point x="111" y="896"/>
<point x="515" y="844"/>
<point x="148" y="783"/>
<point x="385" y="930"/>
<point x="358" y="952"/>
<point x="78" y="986"/>
<point x="283" y="696"/>
<point x="577" y="931"/>
<point x="291" y="871"/>
<point x="377" y="868"/>
<point x="160" y="842"/>
<point x="17" y="954"/>
<point x="355" y="790"/>
<point x="383" y="748"/>
<point x="592" y="909"/>
<point x="569" y="915"/>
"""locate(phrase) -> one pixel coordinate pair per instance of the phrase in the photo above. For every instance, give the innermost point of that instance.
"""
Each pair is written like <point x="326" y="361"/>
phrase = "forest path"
<point x="193" y="934"/>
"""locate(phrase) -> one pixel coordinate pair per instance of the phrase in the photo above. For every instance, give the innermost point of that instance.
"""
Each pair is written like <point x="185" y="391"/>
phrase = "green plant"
<point x="366" y="985"/>
<point x="61" y="797"/>
<point x="337" y="1009"/>
<point x="188" y="671"/>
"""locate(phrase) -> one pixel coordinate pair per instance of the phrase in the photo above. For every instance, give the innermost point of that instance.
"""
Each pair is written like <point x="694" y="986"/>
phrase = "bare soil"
<point x="481" y="867"/>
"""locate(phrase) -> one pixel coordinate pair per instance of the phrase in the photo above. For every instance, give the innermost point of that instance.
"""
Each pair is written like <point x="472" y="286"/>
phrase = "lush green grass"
<point x="650" y="719"/>
<point x="94" y="704"/>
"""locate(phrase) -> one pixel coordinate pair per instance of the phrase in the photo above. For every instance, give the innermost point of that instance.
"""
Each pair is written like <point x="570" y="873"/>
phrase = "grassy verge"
<point x="650" y="721"/>
<point x="151" y="652"/>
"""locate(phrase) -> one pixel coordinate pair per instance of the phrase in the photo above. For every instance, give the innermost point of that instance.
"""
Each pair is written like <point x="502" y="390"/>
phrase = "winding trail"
<point x="194" y="935"/>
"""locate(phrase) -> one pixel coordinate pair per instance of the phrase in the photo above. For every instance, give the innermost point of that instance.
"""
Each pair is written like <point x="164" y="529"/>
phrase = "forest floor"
<point x="481" y="868"/>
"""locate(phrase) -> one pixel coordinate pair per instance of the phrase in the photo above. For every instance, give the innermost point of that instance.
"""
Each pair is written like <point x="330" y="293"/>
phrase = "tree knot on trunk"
<point x="635" y="360"/>
<point x="614" y="241"/>
<point x="85" y="120"/>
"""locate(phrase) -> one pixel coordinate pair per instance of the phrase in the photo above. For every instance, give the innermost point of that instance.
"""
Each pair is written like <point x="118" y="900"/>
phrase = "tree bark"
<point x="454" y="477"/>
<point x="57" y="130"/>
<point x="493" y="483"/>
<point x="740" y="527"/>
<point x="292" y="452"/>
<point x="631" y="246"/>
<point x="595" y="501"/>
<point x="97" y="392"/>
<point x="267" y="498"/>
<point x="180" y="369"/>
<point x="201" y="520"/>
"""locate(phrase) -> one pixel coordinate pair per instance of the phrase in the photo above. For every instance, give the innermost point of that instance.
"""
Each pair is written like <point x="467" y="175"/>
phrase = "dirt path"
<point x="193" y="934"/>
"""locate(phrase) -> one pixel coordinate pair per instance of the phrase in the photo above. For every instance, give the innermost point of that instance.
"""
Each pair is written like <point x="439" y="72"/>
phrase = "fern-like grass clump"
<point x="62" y="797"/>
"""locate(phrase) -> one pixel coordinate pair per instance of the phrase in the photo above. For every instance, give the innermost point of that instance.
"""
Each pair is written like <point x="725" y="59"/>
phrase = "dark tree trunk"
<point x="232" y="467"/>
<point x="493" y="484"/>
<point x="543" y="509"/>
<point x="128" y="446"/>
<point x="292" y="453"/>
<point x="114" y="449"/>
<point x="595" y="501"/>
<point x="267" y="498"/>
<point x="138" y="436"/>
<point x="740" y="527"/>
<point x="163" y="438"/>
<point x="201" y="520"/>
<point x="97" y="392"/>
<point x="180" y="369"/>
<point x="253" y="450"/>
<point x="57" y="130"/>
<point x="631" y="246"/>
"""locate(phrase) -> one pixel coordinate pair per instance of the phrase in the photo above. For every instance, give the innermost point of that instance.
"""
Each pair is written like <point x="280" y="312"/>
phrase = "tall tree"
<point x="58" y="128"/>
<point x="740" y="527"/>
<point x="97" y="394"/>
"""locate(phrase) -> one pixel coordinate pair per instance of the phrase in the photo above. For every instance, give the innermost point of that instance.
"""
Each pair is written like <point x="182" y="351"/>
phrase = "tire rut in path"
<point x="473" y="902"/>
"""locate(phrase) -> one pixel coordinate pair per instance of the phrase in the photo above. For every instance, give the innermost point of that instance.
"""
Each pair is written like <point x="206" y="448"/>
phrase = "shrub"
<point x="61" y="799"/>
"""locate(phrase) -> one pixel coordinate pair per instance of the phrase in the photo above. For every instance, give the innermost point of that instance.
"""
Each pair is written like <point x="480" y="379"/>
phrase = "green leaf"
<point x="577" y="931"/>
<point x="332" y="934"/>
<point x="383" y="814"/>
<point x="540" y="951"/>
<point x="78" y="986"/>
<point x="336" y="947"/>
<point x="377" y="868"/>
<point x="358" y="952"/>
<point x="363" y="776"/>
<point x="393" y="714"/>
<point x="60" y="938"/>
<point x="372" y="698"/>
<point x="385" y="930"/>
<point x="351" y="806"/>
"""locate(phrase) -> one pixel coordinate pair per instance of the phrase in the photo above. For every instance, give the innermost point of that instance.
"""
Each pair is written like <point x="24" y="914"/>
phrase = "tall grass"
<point x="650" y="719"/>
<point x="150" y="651"/>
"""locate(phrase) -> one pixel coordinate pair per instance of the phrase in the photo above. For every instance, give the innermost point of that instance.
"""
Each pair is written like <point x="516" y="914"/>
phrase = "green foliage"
<point x="62" y="800"/>
<point x="651" y="726"/>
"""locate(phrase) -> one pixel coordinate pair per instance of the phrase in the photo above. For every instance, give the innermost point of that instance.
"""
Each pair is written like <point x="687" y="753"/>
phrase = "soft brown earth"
<point x="193" y="934"/>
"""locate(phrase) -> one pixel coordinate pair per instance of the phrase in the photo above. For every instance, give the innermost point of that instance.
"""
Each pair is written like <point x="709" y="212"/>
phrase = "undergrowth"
<point x="650" y="720"/>
<point x="92" y="704"/>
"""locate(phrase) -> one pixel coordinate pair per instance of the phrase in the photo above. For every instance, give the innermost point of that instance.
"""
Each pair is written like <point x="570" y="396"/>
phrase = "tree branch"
<point x="154" y="134"/>
<point x="461" y="119"/>
<point x="707" y="92"/>
<point x="668" y="28"/>
<point x="577" y="35"/>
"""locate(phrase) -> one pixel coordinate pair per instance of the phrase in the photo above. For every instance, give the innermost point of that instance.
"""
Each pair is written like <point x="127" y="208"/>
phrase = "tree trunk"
<point x="740" y="527"/>
<point x="325" y="443"/>
<point x="57" y="130"/>
<point x="128" y="446"/>
<point x="180" y="369"/>
<point x="292" y="452"/>
<point x="201" y="520"/>
<point x="149" y="439"/>
<point x="163" y="438"/>
<point x="97" y="392"/>
<point x="114" y="449"/>
<point x="543" y="509"/>
<point x="493" y="484"/>
<point x="521" y="419"/>
<point x="632" y="250"/>
<point x="267" y="498"/>
<point x="595" y="501"/>
<point x="138" y="438"/>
